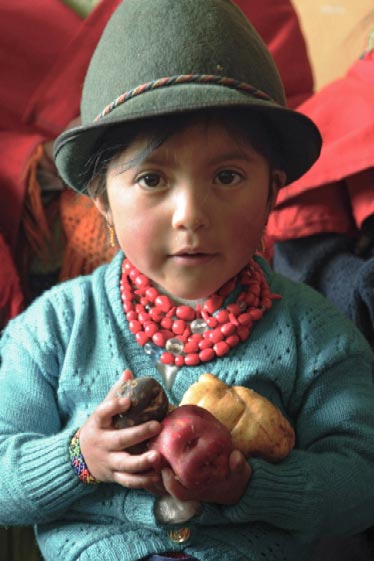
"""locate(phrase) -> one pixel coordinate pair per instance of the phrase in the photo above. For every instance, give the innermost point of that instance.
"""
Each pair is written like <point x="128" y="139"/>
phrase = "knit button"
<point x="179" y="536"/>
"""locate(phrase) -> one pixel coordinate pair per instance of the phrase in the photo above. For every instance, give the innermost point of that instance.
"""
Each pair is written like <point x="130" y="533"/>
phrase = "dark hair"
<point x="252" y="125"/>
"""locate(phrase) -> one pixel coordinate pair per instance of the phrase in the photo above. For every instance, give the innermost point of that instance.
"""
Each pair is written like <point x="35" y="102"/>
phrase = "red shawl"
<point x="337" y="193"/>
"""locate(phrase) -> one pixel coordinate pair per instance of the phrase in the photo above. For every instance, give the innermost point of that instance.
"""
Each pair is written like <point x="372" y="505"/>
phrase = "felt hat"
<point x="159" y="57"/>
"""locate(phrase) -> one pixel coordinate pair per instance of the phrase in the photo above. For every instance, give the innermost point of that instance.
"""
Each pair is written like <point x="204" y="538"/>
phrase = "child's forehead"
<point x="213" y="134"/>
<point x="236" y="126"/>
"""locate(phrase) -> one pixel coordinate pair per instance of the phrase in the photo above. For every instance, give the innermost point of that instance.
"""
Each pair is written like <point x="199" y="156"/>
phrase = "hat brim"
<point x="297" y="136"/>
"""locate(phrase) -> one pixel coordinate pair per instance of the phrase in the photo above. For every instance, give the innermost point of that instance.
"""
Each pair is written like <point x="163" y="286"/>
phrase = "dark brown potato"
<point x="148" y="402"/>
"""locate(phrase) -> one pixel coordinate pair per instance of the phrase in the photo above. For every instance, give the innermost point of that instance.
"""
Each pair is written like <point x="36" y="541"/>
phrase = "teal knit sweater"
<point x="59" y="360"/>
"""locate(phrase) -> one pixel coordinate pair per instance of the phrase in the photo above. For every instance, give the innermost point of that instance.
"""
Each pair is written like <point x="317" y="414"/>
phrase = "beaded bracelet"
<point x="78" y="463"/>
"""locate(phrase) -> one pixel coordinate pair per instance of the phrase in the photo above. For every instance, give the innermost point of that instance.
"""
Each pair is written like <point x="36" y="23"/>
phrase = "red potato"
<point x="195" y="445"/>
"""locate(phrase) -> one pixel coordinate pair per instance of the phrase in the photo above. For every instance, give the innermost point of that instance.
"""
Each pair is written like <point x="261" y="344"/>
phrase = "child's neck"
<point x="177" y="300"/>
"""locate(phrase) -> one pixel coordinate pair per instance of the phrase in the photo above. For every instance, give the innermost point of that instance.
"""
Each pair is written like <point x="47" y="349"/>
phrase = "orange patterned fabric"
<point x="87" y="241"/>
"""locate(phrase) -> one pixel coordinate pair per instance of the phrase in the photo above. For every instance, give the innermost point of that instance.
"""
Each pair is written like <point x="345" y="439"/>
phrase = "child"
<point x="184" y="143"/>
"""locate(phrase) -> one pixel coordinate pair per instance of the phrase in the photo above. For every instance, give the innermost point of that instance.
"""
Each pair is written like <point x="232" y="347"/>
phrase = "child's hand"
<point x="229" y="490"/>
<point x="104" y="447"/>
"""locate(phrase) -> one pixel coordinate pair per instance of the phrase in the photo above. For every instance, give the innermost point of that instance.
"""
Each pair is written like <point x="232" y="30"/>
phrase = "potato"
<point x="148" y="402"/>
<point x="195" y="445"/>
<point x="257" y="427"/>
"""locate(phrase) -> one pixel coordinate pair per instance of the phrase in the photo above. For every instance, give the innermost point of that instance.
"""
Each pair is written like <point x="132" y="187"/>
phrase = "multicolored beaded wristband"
<point x="78" y="463"/>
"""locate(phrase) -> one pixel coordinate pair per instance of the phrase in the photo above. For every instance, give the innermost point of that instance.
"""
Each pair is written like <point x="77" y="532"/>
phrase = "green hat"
<point x="159" y="57"/>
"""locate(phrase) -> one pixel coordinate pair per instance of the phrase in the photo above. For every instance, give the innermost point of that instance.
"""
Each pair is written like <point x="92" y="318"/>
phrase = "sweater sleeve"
<point x="37" y="482"/>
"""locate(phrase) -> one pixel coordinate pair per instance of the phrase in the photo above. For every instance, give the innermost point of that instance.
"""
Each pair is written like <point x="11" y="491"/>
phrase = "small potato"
<point x="148" y="402"/>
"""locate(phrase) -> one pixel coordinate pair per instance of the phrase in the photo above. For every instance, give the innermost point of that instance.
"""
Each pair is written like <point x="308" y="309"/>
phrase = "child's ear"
<point x="278" y="179"/>
<point x="103" y="207"/>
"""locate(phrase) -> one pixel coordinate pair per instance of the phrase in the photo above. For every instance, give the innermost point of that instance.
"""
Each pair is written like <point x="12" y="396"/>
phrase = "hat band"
<point x="185" y="79"/>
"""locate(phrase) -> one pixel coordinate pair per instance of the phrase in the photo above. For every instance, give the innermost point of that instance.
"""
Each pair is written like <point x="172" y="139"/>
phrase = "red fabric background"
<point x="338" y="191"/>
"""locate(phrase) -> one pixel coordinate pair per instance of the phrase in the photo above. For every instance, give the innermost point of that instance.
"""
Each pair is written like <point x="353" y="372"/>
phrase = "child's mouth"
<point x="192" y="258"/>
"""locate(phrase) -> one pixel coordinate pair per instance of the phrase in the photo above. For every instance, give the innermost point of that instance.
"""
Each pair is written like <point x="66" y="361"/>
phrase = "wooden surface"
<point x="18" y="544"/>
<point x="336" y="32"/>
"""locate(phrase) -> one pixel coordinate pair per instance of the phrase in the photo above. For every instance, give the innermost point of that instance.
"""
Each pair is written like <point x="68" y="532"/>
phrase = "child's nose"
<point x="190" y="209"/>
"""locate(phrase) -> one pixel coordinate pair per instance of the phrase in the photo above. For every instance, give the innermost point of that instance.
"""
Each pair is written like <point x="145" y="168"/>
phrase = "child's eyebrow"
<point x="165" y="159"/>
<point x="240" y="155"/>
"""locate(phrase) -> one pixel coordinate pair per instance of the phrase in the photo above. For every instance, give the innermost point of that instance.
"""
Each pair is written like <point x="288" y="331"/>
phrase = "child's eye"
<point x="228" y="177"/>
<point x="150" y="180"/>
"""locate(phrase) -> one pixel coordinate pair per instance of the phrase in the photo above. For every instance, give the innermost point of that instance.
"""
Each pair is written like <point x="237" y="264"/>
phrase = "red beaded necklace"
<point x="190" y="336"/>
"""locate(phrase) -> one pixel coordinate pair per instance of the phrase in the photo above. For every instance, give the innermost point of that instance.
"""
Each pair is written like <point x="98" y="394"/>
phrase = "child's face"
<point x="191" y="214"/>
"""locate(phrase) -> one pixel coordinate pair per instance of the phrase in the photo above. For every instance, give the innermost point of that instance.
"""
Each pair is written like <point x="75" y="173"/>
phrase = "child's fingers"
<point x="116" y="388"/>
<point x="137" y="480"/>
<point x="110" y="407"/>
<point x="238" y="464"/>
<point x="138" y="464"/>
<point x="121" y="439"/>
<point x="113" y="403"/>
<point x="174" y="488"/>
<point x="127" y="375"/>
